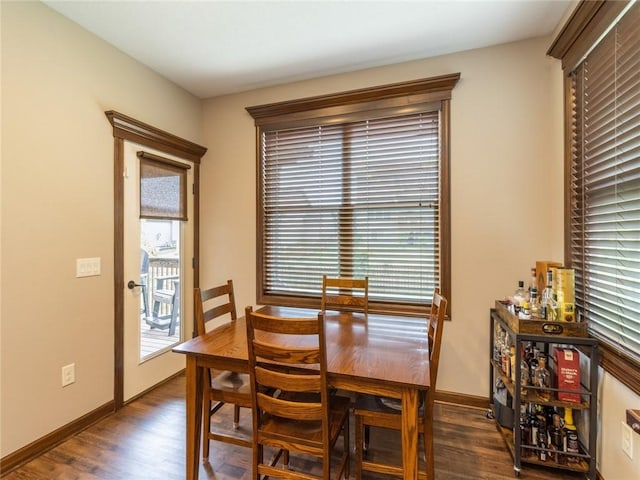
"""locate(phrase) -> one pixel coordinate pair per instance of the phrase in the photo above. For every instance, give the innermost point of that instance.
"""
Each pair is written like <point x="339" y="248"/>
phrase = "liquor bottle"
<point x="546" y="301"/>
<point x="519" y="296"/>
<point x="533" y="421"/>
<point x="498" y="338"/>
<point x="571" y="446"/>
<point x="533" y="362"/>
<point x="556" y="434"/>
<point x="534" y="304"/>
<point x="512" y="363"/>
<point x="524" y="373"/>
<point x="534" y="300"/>
<point x="542" y="379"/>
<point x="525" y="432"/>
<point x="506" y="359"/>
<point x="542" y="441"/>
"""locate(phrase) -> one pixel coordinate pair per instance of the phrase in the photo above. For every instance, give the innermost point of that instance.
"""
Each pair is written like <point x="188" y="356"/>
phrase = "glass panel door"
<point x="161" y="291"/>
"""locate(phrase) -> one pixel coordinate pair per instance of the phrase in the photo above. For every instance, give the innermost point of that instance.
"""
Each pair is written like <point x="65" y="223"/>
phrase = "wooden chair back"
<point x="285" y="345"/>
<point x="292" y="408"/>
<point x="370" y="411"/>
<point x="351" y="294"/>
<point x="220" y="387"/>
<point x="207" y="309"/>
<point x="436" y="324"/>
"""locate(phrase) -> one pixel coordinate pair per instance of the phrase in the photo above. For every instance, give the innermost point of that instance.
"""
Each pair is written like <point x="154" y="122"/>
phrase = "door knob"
<point x="133" y="285"/>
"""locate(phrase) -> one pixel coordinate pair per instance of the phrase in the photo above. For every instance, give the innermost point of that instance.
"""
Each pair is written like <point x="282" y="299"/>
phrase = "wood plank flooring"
<point x="154" y="340"/>
<point x="146" y="441"/>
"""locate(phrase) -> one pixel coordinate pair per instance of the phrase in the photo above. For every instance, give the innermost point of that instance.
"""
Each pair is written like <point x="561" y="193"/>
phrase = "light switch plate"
<point x="87" y="267"/>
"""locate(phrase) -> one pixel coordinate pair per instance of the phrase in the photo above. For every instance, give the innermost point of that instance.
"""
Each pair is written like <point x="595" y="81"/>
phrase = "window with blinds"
<point x="163" y="187"/>
<point x="353" y="200"/>
<point x="356" y="184"/>
<point x="604" y="233"/>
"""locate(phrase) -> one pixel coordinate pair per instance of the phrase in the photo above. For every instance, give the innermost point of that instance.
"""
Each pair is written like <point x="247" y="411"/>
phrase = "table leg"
<point x="194" y="417"/>
<point x="410" y="433"/>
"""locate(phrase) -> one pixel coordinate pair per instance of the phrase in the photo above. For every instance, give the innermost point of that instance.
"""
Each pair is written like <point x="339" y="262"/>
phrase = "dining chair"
<point x="373" y="411"/>
<point x="220" y="386"/>
<point x="338" y="294"/>
<point x="293" y="410"/>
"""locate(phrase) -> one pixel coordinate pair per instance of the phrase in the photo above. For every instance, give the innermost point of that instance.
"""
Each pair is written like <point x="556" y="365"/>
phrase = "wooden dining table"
<point x="385" y="355"/>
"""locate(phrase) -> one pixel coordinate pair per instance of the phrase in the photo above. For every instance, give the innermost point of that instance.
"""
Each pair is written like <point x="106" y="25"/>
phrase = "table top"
<point x="384" y="348"/>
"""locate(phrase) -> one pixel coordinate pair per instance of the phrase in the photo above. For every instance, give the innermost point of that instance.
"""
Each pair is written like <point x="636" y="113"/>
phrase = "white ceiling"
<point x="217" y="47"/>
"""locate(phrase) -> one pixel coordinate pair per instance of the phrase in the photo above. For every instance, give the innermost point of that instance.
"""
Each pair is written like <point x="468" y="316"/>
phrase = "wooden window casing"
<point x="340" y="191"/>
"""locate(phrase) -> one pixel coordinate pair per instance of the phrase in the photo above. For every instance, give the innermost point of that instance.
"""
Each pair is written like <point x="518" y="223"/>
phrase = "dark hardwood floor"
<point x="146" y="440"/>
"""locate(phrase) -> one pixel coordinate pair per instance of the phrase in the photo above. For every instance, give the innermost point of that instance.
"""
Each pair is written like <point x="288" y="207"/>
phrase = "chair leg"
<point x="347" y="446"/>
<point x="428" y="441"/>
<point x="206" y="428"/>
<point x="359" y="424"/>
<point x="236" y="417"/>
<point x="257" y="451"/>
<point x="367" y="436"/>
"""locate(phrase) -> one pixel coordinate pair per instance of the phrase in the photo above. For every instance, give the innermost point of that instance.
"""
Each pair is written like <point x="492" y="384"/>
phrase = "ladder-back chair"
<point x="293" y="410"/>
<point x="220" y="386"/>
<point x="372" y="411"/>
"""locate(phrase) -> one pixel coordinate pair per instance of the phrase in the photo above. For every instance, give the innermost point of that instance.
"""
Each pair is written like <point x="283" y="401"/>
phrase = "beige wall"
<point x="57" y="205"/>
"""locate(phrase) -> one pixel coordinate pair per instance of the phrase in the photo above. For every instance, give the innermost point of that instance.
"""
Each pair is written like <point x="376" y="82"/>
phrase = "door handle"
<point x="131" y="285"/>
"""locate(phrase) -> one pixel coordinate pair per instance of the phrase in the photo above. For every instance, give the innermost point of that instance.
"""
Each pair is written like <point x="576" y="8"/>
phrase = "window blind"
<point x="163" y="187"/>
<point x="605" y="186"/>
<point x="353" y="199"/>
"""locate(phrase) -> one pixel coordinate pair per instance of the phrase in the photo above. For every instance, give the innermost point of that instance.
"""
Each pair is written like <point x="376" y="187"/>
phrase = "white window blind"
<point x="354" y="199"/>
<point x="605" y="186"/>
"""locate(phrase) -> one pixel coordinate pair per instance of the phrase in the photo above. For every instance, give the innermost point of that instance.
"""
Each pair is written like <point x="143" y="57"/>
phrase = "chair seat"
<point x="228" y="381"/>
<point x="276" y="430"/>
<point x="378" y="404"/>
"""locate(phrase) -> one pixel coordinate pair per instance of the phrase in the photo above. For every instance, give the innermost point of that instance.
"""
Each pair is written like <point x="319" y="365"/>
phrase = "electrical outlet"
<point x="627" y="440"/>
<point x="68" y="374"/>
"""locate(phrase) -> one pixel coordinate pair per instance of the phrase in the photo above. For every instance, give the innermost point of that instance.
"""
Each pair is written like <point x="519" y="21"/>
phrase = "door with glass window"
<point x="158" y="240"/>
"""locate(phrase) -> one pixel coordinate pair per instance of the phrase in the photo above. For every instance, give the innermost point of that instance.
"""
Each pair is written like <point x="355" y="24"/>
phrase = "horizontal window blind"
<point x="605" y="186"/>
<point x="353" y="200"/>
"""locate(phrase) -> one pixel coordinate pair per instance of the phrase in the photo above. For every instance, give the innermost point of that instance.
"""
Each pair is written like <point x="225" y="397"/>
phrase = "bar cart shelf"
<point x="525" y="453"/>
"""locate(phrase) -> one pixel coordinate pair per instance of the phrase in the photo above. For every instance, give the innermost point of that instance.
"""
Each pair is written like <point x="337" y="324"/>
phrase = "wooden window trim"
<point x="405" y="97"/>
<point x="589" y="21"/>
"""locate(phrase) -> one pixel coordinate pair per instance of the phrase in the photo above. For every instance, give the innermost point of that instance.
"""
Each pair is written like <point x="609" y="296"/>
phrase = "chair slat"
<point x="345" y="294"/>
<point x="290" y="355"/>
<point x="288" y="381"/>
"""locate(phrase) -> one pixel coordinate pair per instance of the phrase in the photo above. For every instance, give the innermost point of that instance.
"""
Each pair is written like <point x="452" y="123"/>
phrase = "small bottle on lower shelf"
<point x="572" y="445"/>
<point x="556" y="433"/>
